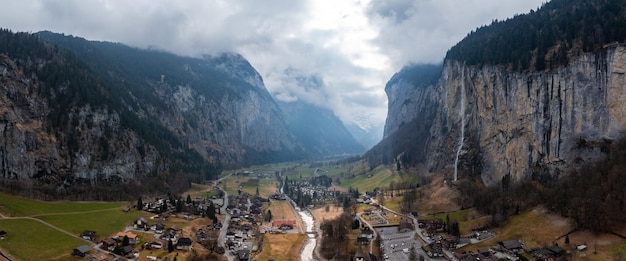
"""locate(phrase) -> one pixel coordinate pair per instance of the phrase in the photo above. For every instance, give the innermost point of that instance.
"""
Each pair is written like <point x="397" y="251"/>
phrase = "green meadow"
<point x="30" y="240"/>
<point x="14" y="206"/>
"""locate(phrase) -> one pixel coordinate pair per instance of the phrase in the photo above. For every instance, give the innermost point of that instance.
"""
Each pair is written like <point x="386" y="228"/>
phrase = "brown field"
<point x="282" y="210"/>
<point x="320" y="214"/>
<point x="441" y="197"/>
<point x="281" y="247"/>
<point x="536" y="228"/>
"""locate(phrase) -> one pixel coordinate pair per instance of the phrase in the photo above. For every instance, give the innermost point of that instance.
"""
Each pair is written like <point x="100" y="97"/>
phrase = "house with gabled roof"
<point x="88" y="235"/>
<point x="81" y="251"/>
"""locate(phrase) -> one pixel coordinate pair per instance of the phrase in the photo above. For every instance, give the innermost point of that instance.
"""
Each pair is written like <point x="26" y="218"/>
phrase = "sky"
<point x="337" y="54"/>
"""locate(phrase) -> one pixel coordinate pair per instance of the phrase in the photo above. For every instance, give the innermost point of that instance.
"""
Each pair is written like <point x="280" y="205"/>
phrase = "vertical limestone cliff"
<point x="519" y="124"/>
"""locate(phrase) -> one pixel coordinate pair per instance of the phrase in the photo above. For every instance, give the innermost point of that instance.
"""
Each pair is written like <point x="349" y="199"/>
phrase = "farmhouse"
<point x="132" y="238"/>
<point x="88" y="235"/>
<point x="367" y="233"/>
<point x="284" y="224"/>
<point x="243" y="255"/>
<point x="81" y="251"/>
<point x="512" y="245"/>
<point x="184" y="243"/>
<point x="108" y="244"/>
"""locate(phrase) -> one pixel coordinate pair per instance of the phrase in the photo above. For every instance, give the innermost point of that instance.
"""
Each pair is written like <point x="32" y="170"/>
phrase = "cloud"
<point x="335" y="54"/>
<point x="422" y="31"/>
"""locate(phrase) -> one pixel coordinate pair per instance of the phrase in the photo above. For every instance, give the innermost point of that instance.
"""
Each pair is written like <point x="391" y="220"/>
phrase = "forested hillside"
<point x="546" y="38"/>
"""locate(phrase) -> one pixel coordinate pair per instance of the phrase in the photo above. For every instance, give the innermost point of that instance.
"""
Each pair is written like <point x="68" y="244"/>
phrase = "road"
<point x="371" y="228"/>
<point x="221" y="240"/>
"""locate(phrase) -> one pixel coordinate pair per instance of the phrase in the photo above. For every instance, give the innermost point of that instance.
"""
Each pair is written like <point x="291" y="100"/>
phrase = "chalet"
<point x="201" y="235"/>
<point x="141" y="223"/>
<point x="246" y="227"/>
<point x="434" y="249"/>
<point x="3" y="234"/>
<point x="132" y="238"/>
<point x="513" y="245"/>
<point x="450" y="242"/>
<point x="157" y="228"/>
<point x="542" y="253"/>
<point x="284" y="224"/>
<point x="230" y="235"/>
<point x="367" y="233"/>
<point x="243" y="255"/>
<point x="485" y="252"/>
<point x="88" y="235"/>
<point x="362" y="240"/>
<point x="127" y="250"/>
<point x="108" y="244"/>
<point x="278" y="197"/>
<point x="467" y="256"/>
<point x="155" y="244"/>
<point x="169" y="234"/>
<point x="405" y="226"/>
<point x="81" y="251"/>
<point x="255" y="210"/>
<point x="558" y="251"/>
<point x="430" y="224"/>
<point x="184" y="243"/>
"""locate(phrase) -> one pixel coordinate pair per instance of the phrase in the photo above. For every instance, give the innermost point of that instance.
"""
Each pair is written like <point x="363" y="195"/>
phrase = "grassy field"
<point x="266" y="186"/>
<point x="535" y="228"/>
<point x="281" y="247"/>
<point x="105" y="223"/>
<point x="200" y="190"/>
<point x="31" y="240"/>
<point x="17" y="206"/>
<point x="394" y="203"/>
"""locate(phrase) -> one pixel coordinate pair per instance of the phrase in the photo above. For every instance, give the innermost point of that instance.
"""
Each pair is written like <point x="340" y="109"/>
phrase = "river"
<point x="309" y="244"/>
<point x="306" y="254"/>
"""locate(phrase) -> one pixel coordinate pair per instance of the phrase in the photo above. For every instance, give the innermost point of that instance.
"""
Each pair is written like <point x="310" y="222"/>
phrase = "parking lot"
<point x="397" y="246"/>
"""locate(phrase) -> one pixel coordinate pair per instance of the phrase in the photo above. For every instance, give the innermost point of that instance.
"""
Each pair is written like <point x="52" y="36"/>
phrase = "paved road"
<point x="221" y="240"/>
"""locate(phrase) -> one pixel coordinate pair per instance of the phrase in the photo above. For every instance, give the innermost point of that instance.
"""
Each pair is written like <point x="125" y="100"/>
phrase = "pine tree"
<point x="170" y="246"/>
<point x="210" y="213"/>
<point x="188" y="199"/>
<point x="139" y="204"/>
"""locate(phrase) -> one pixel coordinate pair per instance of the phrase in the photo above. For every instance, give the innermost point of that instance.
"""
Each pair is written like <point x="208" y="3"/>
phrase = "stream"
<point x="306" y="254"/>
<point x="309" y="244"/>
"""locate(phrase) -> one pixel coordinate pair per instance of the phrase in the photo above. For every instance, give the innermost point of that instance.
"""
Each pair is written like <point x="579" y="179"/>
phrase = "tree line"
<point x="546" y="38"/>
<point x="593" y="195"/>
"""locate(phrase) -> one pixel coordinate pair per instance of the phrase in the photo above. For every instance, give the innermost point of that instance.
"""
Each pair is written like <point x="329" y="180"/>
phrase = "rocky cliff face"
<point x="95" y="112"/>
<point x="519" y="124"/>
<point x="92" y="146"/>
<point x="231" y="130"/>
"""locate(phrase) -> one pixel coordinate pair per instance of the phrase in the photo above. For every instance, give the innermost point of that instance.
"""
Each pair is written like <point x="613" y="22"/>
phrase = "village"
<point x="234" y="226"/>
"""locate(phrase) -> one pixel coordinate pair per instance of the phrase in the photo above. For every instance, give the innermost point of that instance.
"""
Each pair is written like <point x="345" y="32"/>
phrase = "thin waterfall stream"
<point x="462" y="136"/>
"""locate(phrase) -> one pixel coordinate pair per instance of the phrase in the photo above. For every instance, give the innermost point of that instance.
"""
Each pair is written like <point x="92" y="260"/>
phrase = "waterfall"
<point x="462" y="115"/>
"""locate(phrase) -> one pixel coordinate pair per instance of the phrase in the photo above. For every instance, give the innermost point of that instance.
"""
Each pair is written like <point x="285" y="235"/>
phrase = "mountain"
<point x="366" y="137"/>
<point x="321" y="132"/>
<point x="528" y="98"/>
<point x="102" y="120"/>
